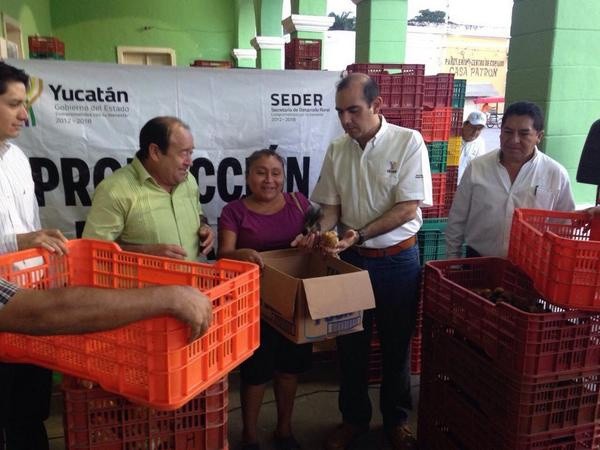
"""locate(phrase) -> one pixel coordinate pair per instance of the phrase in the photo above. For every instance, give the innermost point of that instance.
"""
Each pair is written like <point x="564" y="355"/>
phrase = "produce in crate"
<point x="499" y="294"/>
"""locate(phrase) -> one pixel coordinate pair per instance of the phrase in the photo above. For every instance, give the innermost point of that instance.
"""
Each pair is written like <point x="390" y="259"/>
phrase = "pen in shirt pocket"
<point x="536" y="189"/>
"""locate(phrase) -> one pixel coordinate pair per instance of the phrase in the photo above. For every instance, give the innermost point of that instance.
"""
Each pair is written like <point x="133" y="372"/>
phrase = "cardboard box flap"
<point x="278" y="290"/>
<point x="339" y="294"/>
<point x="292" y="261"/>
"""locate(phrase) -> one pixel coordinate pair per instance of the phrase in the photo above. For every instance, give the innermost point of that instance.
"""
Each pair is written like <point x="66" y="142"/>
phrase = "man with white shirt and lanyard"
<point x="517" y="175"/>
<point x="24" y="389"/>
<point x="372" y="182"/>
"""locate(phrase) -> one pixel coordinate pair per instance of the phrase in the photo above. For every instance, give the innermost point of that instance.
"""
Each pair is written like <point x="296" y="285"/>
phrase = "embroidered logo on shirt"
<point x="393" y="167"/>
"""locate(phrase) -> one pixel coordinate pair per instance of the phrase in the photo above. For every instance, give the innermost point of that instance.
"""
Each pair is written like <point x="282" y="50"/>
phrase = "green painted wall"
<point x="309" y="7"/>
<point x="246" y="23"/>
<point x="381" y="31"/>
<point x="269" y="59"/>
<point x="200" y="29"/>
<point x="553" y="61"/>
<point x="33" y="15"/>
<point x="268" y="17"/>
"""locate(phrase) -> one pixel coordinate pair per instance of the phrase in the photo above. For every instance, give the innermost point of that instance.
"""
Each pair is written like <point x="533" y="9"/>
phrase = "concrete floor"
<point x="316" y="413"/>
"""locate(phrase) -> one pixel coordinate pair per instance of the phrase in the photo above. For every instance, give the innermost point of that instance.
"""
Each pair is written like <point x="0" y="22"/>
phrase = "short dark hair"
<point x="10" y="74"/>
<point x="525" y="109"/>
<point x="157" y="131"/>
<point x="265" y="152"/>
<point x="370" y="88"/>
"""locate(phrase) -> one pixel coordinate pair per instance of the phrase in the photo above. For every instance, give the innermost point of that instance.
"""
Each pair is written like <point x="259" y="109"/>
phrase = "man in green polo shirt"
<point x="153" y="204"/>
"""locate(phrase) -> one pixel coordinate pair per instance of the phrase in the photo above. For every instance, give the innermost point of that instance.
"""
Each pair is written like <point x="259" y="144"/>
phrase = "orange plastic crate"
<point x="415" y="70"/>
<point x="456" y="122"/>
<point x="148" y="362"/>
<point x="45" y="44"/>
<point x="211" y="64"/>
<point x="438" y="90"/>
<point x="560" y="251"/>
<point x="436" y="124"/>
<point x="303" y="54"/>
<point x="98" y="420"/>
<point x="557" y="342"/>
<point x="404" y="117"/>
<point x="438" y="181"/>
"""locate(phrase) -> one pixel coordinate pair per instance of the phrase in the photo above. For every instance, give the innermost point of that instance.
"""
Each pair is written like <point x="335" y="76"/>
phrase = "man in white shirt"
<point x="473" y="144"/>
<point x="517" y="175"/>
<point x="24" y="389"/>
<point x="372" y="183"/>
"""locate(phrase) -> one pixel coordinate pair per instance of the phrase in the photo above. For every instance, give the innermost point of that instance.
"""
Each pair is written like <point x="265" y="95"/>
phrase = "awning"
<point x="488" y="100"/>
<point x="480" y="90"/>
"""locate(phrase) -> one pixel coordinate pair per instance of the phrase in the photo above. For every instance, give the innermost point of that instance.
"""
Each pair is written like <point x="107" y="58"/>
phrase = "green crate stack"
<point x="51" y="55"/>
<point x="458" y="95"/>
<point x="432" y="240"/>
<point x="438" y="153"/>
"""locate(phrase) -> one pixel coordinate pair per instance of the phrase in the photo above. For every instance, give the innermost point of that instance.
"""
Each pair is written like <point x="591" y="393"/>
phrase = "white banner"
<point x="85" y="120"/>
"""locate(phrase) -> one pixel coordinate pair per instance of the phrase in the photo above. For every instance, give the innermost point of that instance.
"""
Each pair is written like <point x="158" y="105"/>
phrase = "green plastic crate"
<point x="51" y="55"/>
<point x="438" y="155"/>
<point x="432" y="240"/>
<point x="458" y="96"/>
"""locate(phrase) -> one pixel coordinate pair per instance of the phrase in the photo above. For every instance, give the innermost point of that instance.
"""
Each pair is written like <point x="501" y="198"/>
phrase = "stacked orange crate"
<point x="46" y="47"/>
<point x="304" y="54"/>
<point x="454" y="148"/>
<point x="401" y="88"/>
<point x="149" y="362"/>
<point x="515" y="373"/>
<point x="436" y="128"/>
<point x="213" y="64"/>
<point x="98" y="420"/>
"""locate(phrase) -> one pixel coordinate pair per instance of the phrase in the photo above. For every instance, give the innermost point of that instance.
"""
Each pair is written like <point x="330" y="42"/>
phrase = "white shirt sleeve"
<point x="8" y="242"/>
<point x="470" y="151"/>
<point x="457" y="217"/>
<point x="326" y="191"/>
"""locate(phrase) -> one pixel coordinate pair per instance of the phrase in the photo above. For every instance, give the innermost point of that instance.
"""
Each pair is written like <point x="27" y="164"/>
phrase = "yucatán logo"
<point x="34" y="91"/>
<point x="393" y="167"/>
<point x="112" y="100"/>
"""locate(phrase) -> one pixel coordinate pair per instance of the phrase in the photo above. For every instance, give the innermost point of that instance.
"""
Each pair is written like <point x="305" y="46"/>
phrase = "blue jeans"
<point x="24" y="405"/>
<point x="395" y="281"/>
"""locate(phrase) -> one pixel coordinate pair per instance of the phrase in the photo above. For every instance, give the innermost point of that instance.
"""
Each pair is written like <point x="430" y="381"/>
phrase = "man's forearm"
<point x="80" y="310"/>
<point x="331" y="216"/>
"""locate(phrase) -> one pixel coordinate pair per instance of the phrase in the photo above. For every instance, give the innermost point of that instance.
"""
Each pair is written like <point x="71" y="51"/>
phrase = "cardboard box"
<point x="308" y="297"/>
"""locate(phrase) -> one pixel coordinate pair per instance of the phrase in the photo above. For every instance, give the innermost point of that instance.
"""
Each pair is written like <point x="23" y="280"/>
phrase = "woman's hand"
<point x="246" y="254"/>
<point x="310" y="240"/>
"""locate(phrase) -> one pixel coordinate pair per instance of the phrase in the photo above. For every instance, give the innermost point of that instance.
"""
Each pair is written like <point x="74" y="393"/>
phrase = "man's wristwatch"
<point x="361" y="237"/>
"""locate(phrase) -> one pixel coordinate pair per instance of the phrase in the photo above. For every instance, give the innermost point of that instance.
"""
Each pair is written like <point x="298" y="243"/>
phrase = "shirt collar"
<point x="534" y="157"/>
<point x="382" y="129"/>
<point x="140" y="171"/>
<point x="143" y="175"/>
<point x="4" y="147"/>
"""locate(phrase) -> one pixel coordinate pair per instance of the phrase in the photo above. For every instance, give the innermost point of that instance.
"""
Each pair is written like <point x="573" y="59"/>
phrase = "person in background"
<point x="76" y="310"/>
<point x="473" y="144"/>
<point x="153" y="204"/>
<point x="266" y="219"/>
<point x="24" y="389"/>
<point x="372" y="182"/>
<point x="517" y="175"/>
